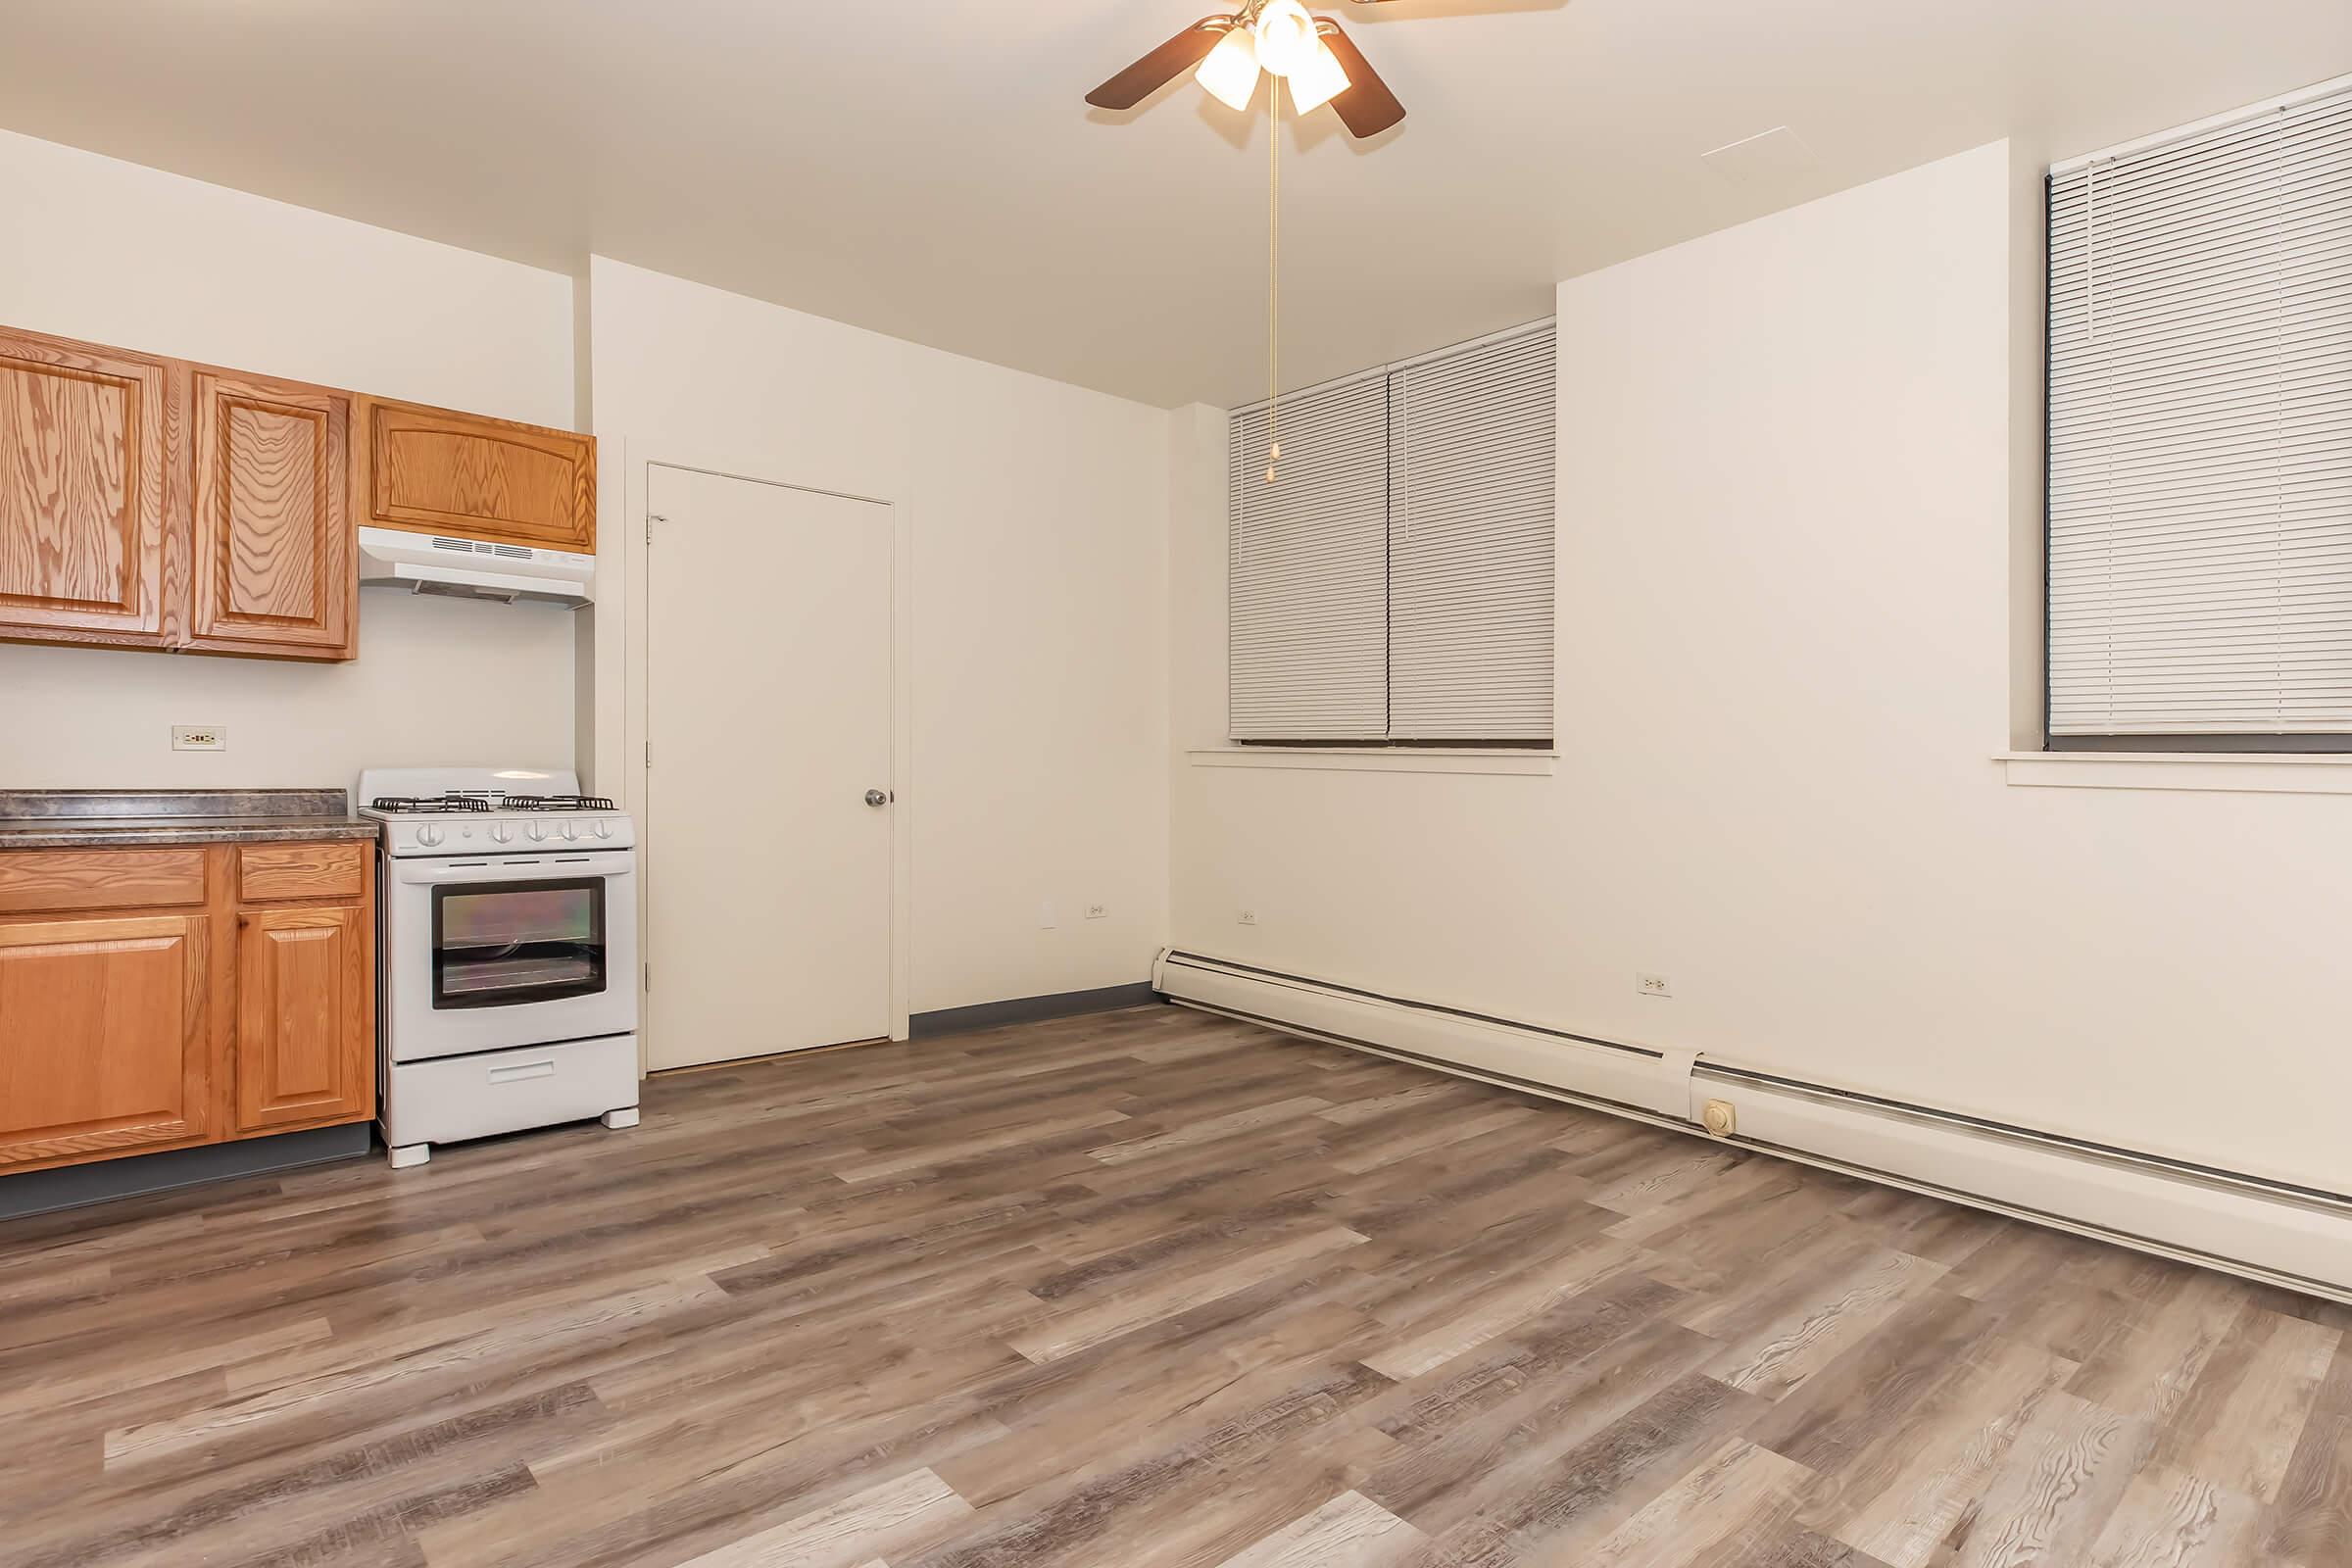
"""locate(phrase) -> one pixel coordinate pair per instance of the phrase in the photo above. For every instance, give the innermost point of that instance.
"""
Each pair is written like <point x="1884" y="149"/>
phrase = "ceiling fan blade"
<point x="1367" y="107"/>
<point x="1161" y="66"/>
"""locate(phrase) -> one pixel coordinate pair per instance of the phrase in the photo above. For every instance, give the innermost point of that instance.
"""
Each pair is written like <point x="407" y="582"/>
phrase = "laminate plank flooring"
<point x="1151" y="1289"/>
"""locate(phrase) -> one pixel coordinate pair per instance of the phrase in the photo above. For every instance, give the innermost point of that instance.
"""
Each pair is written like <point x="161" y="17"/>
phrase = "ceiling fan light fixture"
<point x="1287" y="40"/>
<point x="1317" y="83"/>
<point x="1230" y="72"/>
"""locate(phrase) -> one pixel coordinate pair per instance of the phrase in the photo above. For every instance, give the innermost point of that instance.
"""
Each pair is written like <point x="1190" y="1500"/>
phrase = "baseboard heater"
<point x="2294" y="1237"/>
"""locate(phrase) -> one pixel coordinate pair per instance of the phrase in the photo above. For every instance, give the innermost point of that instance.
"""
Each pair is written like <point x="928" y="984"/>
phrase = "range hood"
<point x="473" y="569"/>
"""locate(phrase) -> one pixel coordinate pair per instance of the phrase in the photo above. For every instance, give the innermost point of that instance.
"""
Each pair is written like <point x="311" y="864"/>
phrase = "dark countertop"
<point x="49" y="819"/>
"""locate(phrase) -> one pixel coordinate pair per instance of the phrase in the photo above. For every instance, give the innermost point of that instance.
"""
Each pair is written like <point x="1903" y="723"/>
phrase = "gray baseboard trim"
<point x="1028" y="1009"/>
<point x="43" y="1192"/>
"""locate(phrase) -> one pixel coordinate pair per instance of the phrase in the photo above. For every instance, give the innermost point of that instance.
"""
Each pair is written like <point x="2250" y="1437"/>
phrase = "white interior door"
<point x="768" y="719"/>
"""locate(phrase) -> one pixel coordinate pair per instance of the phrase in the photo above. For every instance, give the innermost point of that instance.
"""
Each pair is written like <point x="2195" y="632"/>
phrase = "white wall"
<point x="1038" y="515"/>
<point x="1788" y="483"/>
<point x="108" y="251"/>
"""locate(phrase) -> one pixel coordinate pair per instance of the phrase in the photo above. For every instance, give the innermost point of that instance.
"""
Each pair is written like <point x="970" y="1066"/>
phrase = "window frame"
<point x="2252" y="745"/>
<point x="1373" y="747"/>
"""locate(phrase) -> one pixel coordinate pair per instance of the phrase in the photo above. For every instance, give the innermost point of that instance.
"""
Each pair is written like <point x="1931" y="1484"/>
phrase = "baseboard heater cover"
<point x="1626" y="1075"/>
<point x="2294" y="1237"/>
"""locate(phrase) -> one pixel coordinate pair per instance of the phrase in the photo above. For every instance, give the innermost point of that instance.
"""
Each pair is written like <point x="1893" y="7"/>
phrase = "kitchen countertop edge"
<point x="65" y="833"/>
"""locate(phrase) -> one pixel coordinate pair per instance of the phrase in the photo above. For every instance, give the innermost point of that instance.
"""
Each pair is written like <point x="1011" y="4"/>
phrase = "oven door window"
<point x="502" y="944"/>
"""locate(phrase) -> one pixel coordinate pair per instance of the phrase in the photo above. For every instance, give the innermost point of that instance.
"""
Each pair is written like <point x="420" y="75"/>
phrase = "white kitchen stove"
<point x="509" y="973"/>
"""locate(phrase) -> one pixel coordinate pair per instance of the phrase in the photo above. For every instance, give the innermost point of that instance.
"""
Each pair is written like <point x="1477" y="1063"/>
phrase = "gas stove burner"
<point x="560" y="803"/>
<point x="452" y="802"/>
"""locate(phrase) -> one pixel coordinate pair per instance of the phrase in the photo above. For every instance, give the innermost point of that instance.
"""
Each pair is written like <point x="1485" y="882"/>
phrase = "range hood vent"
<point x="473" y="569"/>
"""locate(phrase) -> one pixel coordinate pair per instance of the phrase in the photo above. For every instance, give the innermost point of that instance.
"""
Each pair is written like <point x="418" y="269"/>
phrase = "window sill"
<point x="2241" y="773"/>
<point x="1377" y="760"/>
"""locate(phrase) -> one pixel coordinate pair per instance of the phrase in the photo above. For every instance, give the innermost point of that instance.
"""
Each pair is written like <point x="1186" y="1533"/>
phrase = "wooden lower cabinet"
<point x="303" y="1052"/>
<point x="106" y="1037"/>
<point x="187" y="1011"/>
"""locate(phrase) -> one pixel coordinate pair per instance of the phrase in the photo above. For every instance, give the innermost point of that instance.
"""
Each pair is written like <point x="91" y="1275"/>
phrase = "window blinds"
<point x="1308" y="579"/>
<point x="1470" y="576"/>
<point x="1397" y="582"/>
<point x="2200" y="431"/>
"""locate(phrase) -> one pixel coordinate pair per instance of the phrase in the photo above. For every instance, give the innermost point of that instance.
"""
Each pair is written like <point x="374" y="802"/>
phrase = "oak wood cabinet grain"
<point x="107" y="1043"/>
<point x="304" y="1044"/>
<point x="437" y="471"/>
<point x="92" y="493"/>
<point x="158" y="997"/>
<point x="276" y="550"/>
<point x="151" y="503"/>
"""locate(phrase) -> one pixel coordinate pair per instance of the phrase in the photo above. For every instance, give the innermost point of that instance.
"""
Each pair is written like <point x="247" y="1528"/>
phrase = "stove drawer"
<point x="445" y="1099"/>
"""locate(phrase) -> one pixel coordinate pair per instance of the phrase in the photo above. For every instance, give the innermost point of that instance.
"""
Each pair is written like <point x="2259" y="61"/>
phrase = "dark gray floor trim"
<point x="41" y="1192"/>
<point x="1028" y="1009"/>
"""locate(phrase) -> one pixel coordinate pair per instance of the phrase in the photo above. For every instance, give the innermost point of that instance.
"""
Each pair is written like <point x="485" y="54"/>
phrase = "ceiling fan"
<point x="1278" y="38"/>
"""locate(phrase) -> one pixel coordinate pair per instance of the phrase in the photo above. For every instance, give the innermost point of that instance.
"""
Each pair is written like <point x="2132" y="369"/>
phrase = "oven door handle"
<point x="568" y="868"/>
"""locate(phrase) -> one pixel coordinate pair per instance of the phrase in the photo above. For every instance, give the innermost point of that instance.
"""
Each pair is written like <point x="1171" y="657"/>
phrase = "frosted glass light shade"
<point x="1286" y="38"/>
<point x="1317" y="83"/>
<point x="1230" y="72"/>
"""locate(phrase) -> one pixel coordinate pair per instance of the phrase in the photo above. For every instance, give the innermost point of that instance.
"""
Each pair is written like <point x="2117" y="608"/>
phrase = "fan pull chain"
<point x="1273" y="274"/>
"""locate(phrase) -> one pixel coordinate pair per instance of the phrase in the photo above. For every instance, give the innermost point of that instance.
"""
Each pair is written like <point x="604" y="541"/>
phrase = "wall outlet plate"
<point x="1249" y="917"/>
<point x="1652" y="985"/>
<point x="199" y="738"/>
<point x="1098" y="911"/>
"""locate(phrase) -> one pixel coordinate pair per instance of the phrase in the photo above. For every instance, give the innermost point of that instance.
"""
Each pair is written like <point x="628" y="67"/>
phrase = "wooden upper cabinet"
<point x="92" y="481"/>
<point x="463" y="475"/>
<point x="276" y="548"/>
<point x="150" y="503"/>
<point x="106" y="1043"/>
<point x="306" y="1020"/>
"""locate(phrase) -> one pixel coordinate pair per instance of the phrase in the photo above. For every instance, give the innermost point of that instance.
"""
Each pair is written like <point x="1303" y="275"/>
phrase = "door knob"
<point x="877" y="797"/>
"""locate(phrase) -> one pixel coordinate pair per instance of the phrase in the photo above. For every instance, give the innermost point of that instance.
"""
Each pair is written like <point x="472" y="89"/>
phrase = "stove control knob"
<point x="537" y="830"/>
<point x="603" y="830"/>
<point x="428" y="836"/>
<point x="571" y="832"/>
<point x="501" y="832"/>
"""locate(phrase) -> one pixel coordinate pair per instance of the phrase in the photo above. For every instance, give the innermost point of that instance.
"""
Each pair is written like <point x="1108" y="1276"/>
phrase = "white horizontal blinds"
<point x="2200" y="432"/>
<point x="1470" y="542"/>
<point x="1308" y="590"/>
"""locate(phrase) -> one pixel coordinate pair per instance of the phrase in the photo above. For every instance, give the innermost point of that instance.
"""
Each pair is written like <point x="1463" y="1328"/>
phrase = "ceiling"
<point x="926" y="168"/>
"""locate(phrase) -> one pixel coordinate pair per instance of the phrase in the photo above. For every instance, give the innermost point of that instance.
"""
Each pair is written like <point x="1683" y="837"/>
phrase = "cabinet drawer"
<point x="331" y="869"/>
<point x="53" y="881"/>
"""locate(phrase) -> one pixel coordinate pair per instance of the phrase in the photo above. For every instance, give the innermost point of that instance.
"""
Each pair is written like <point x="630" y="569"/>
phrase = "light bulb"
<point x="1230" y="72"/>
<point x="1286" y="38"/>
<point x="1317" y="83"/>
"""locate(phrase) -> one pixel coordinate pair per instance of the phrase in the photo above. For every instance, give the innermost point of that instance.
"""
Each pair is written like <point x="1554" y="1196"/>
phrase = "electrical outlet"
<point x="1652" y="985"/>
<point x="199" y="738"/>
<point x="1249" y="917"/>
<point x="1098" y="911"/>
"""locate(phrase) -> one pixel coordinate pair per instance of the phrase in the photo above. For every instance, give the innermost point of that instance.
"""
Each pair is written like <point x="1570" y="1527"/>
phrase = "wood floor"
<point x="1137" y="1290"/>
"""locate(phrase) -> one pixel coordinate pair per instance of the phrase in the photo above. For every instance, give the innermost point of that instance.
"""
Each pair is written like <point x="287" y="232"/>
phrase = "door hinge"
<point x="648" y="754"/>
<point x="648" y="977"/>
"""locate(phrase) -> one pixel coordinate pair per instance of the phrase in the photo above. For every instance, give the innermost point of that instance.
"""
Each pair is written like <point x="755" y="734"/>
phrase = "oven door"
<point x="492" y="952"/>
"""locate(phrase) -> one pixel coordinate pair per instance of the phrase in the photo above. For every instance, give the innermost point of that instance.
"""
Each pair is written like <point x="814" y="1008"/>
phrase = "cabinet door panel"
<point x="89" y="493"/>
<point x="464" y="476"/>
<point x="104" y="1044"/>
<point x="305" y="1020"/>
<point x="276" y="548"/>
